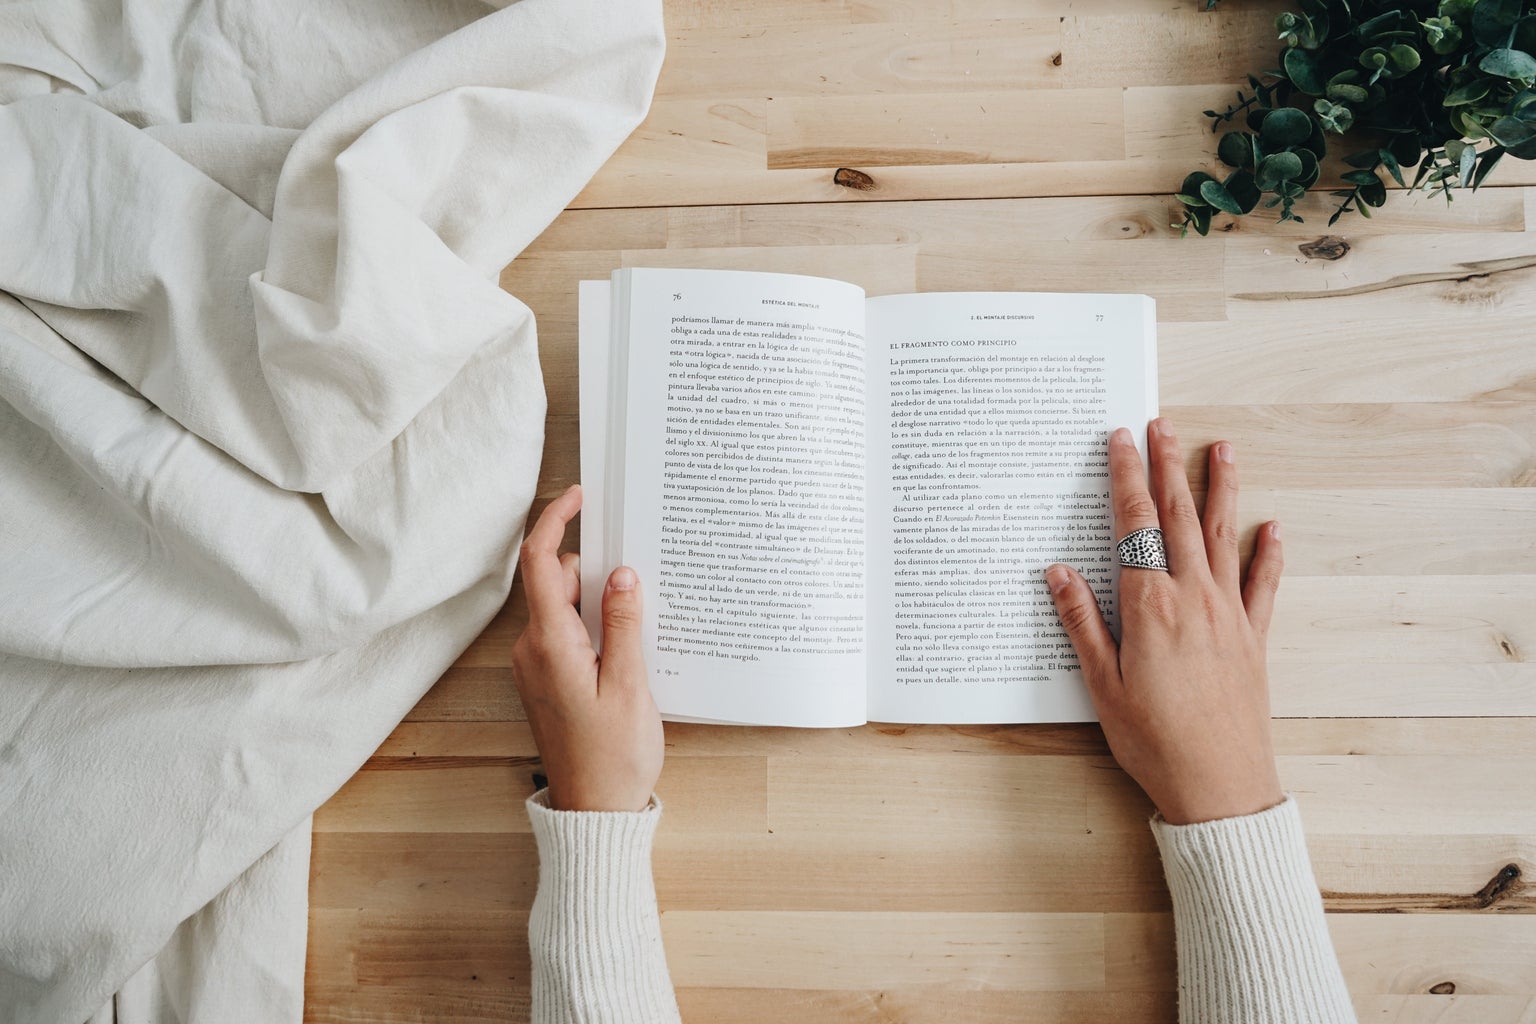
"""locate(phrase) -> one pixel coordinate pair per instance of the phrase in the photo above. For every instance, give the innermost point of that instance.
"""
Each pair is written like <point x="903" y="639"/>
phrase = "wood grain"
<point x="1383" y="406"/>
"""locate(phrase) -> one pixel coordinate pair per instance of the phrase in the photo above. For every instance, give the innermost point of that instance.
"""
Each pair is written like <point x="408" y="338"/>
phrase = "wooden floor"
<point x="1384" y="408"/>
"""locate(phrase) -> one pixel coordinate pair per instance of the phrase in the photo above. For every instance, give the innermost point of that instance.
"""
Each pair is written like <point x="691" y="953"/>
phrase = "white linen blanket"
<point x="269" y="431"/>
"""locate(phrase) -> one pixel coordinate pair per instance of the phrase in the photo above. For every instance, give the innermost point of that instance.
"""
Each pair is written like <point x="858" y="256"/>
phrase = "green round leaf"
<point x="1241" y="186"/>
<point x="1492" y="20"/>
<point x="1390" y="162"/>
<point x="1277" y="168"/>
<point x="1510" y="132"/>
<point x="1285" y="127"/>
<point x="1466" y="123"/>
<point x="1406" y="148"/>
<point x="1304" y="68"/>
<point x="1486" y="161"/>
<point x="1317" y="143"/>
<point x="1469" y="93"/>
<point x="1465" y="161"/>
<point x="1310" y="168"/>
<point x="1192" y="183"/>
<point x="1523" y="151"/>
<point x="1459" y="11"/>
<point x="1215" y="193"/>
<point x="1335" y="117"/>
<point x="1404" y="57"/>
<point x="1509" y="64"/>
<point x="1235" y="150"/>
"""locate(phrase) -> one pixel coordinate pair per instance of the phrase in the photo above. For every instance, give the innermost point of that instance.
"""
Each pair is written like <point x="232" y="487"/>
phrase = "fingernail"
<point x="623" y="578"/>
<point x="1121" y="436"/>
<point x="1274" y="530"/>
<point x="1057" y="578"/>
<point x="1162" y="427"/>
<point x="1223" y="452"/>
<point x="571" y="488"/>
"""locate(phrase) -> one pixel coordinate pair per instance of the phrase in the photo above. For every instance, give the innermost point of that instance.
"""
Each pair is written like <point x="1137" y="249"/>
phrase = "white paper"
<point x="990" y="466"/>
<point x="743" y="492"/>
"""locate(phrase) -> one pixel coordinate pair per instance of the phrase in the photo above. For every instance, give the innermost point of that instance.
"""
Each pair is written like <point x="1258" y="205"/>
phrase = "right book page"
<point x="989" y="414"/>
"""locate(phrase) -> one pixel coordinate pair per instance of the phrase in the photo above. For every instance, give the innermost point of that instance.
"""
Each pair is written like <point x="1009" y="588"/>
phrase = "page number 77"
<point x="1098" y="318"/>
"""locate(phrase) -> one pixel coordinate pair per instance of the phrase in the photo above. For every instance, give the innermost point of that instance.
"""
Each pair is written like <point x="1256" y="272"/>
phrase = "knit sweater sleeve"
<point x="1253" y="945"/>
<point x="594" y="934"/>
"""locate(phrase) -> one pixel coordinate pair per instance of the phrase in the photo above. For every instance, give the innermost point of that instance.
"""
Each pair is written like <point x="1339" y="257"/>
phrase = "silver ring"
<point x="1143" y="549"/>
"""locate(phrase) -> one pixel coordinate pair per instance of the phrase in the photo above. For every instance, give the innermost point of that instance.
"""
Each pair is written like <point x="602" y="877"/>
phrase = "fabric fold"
<point x="269" y="428"/>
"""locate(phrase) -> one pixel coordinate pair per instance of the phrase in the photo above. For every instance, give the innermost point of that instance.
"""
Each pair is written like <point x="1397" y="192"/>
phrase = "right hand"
<point x="1184" y="697"/>
<point x="593" y="719"/>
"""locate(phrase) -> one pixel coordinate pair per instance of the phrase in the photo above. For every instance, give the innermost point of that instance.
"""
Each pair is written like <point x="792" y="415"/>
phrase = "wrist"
<point x="575" y="795"/>
<point x="1220" y="804"/>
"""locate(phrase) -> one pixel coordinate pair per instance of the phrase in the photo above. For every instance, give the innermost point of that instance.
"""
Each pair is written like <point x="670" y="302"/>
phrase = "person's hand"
<point x="594" y="721"/>
<point x="1184" y="696"/>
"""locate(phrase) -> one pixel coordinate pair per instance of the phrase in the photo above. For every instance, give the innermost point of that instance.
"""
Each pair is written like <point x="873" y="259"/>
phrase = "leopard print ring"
<point x="1143" y="549"/>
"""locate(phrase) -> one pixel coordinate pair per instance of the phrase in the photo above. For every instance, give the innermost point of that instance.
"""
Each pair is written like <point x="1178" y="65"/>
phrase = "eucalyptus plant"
<point x="1446" y="86"/>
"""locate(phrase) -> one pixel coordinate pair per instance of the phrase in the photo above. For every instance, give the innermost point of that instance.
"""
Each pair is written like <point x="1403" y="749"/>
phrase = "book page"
<point x="741" y="503"/>
<point x="990" y="414"/>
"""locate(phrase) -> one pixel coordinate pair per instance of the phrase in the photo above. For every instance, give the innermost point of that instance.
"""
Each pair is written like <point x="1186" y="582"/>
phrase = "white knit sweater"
<point x="1252" y="943"/>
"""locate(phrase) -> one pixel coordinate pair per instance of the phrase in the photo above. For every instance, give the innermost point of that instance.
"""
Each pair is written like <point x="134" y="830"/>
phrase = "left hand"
<point x="593" y="718"/>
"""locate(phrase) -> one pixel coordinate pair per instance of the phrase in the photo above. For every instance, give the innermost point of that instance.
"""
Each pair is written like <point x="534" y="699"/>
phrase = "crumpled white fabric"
<point x="269" y="431"/>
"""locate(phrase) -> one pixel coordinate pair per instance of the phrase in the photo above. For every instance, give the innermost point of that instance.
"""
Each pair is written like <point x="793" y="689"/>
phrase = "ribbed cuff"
<point x="1253" y="945"/>
<point x="594" y="934"/>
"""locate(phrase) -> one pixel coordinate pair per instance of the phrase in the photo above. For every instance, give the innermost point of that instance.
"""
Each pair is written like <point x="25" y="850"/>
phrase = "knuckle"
<point x="1077" y="617"/>
<point x="1181" y="510"/>
<point x="1138" y="506"/>
<point x="622" y="616"/>
<point x="526" y="552"/>
<point x="1224" y="533"/>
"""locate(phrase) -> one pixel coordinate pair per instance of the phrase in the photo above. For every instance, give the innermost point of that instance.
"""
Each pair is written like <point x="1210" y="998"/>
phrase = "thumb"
<point x="1080" y="615"/>
<point x="622" y="658"/>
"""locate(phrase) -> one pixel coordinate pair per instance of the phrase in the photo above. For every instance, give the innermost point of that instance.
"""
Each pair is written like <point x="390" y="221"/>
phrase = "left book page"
<point x="723" y="457"/>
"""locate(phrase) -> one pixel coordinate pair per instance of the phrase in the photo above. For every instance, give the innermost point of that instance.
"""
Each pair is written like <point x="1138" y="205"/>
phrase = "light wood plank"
<point x="822" y="58"/>
<point x="1022" y="952"/>
<point x="909" y="130"/>
<point x="713" y="794"/>
<point x="429" y="745"/>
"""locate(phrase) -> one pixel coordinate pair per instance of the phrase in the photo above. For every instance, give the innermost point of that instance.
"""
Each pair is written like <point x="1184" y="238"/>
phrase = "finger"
<point x="542" y="577"/>
<point x="570" y="564"/>
<point x="1264" y="577"/>
<point x="1132" y="501"/>
<point x="623" y="661"/>
<point x="1079" y="612"/>
<point x="1176" y="511"/>
<point x="1221" y="517"/>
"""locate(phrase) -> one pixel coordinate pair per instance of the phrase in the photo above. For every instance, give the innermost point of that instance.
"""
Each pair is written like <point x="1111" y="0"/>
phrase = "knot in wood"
<point x="850" y="178"/>
<point x="1329" y="247"/>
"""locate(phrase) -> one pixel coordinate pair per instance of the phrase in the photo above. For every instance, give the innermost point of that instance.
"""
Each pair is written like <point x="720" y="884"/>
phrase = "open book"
<point x="841" y="507"/>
